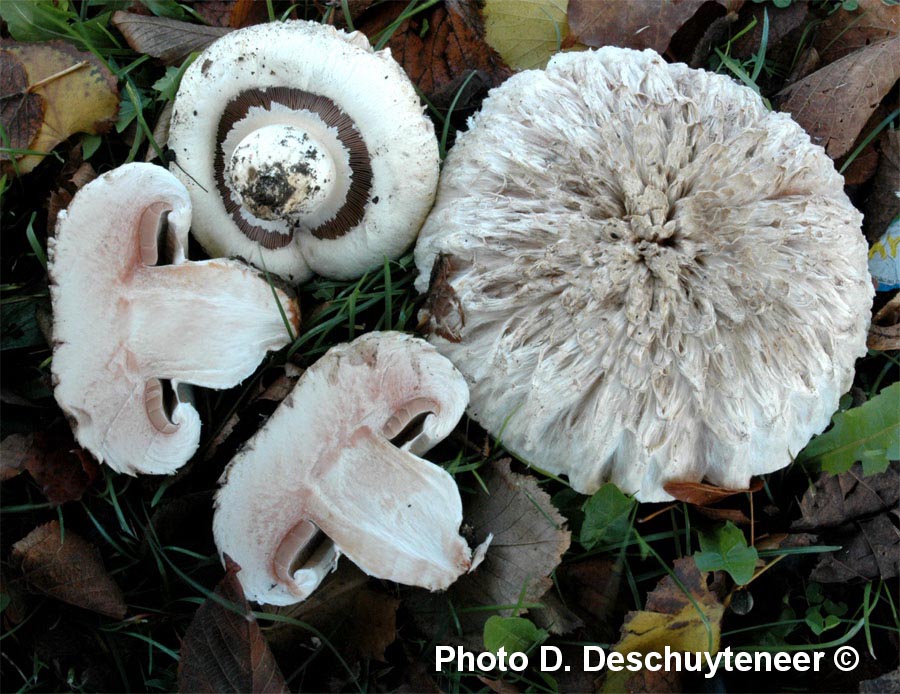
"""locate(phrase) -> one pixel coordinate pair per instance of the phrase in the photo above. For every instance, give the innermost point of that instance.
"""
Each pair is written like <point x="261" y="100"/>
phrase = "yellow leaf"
<point x="78" y="91"/>
<point x="684" y="621"/>
<point x="525" y="32"/>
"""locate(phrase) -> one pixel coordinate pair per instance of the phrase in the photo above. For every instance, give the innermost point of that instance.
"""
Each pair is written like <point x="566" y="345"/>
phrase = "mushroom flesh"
<point x="644" y="275"/>
<point x="303" y="150"/>
<point x="336" y="470"/>
<point x="135" y="321"/>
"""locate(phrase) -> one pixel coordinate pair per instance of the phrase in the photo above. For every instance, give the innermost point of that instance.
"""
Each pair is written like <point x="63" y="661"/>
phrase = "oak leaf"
<point x="224" y="649"/>
<point x="78" y="92"/>
<point x="68" y="568"/>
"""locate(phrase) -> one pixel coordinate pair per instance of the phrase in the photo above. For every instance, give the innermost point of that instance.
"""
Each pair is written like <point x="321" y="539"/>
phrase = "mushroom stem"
<point x="282" y="172"/>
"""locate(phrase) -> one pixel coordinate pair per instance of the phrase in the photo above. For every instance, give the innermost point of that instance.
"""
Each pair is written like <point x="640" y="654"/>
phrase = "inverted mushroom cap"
<point x="336" y="470"/>
<point x="132" y="317"/>
<point x="644" y="275"/>
<point x="344" y="171"/>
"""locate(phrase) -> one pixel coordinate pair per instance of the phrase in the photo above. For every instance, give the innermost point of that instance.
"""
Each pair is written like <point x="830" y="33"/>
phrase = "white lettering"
<point x="545" y="651"/>
<point x="597" y="665"/>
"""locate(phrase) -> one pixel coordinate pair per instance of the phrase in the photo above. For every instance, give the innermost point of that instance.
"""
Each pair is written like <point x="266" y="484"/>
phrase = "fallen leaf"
<point x="15" y="451"/>
<point x="529" y="541"/>
<point x="78" y="92"/>
<point x="21" y="111"/>
<point x="514" y="634"/>
<point x="869" y="433"/>
<point x="235" y="14"/>
<point x="734" y="515"/>
<point x="62" y="468"/>
<point x="635" y="24"/>
<point x="882" y="205"/>
<point x="223" y="648"/>
<point x="170" y="40"/>
<point x="684" y="621"/>
<point x="526" y="33"/>
<point x="870" y="551"/>
<point x="361" y="621"/>
<point x="836" y="499"/>
<point x="884" y="332"/>
<point x="845" y="31"/>
<point x="725" y="549"/>
<point x="889" y="683"/>
<point x="592" y="587"/>
<point x="68" y="568"/>
<point x="834" y="103"/>
<point x="607" y="517"/>
<point x="439" y="49"/>
<point x="701" y="494"/>
<point x="781" y="22"/>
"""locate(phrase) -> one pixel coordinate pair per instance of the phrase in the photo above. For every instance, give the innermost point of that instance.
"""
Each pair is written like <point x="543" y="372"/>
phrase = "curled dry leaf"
<point x="78" y="93"/>
<point x="702" y="494"/>
<point x="440" y="48"/>
<point x="68" y="568"/>
<point x="884" y="333"/>
<point x="834" y="103"/>
<point x="170" y="40"/>
<point x="529" y="540"/>
<point x="634" y="24"/>
<point x="526" y="32"/>
<point x="671" y="617"/>
<point x="223" y="648"/>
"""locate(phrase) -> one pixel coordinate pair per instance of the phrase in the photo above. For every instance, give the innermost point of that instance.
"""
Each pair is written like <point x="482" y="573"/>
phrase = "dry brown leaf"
<point x="884" y="333"/>
<point x="633" y="24"/>
<point x="592" y="587"/>
<point x="62" y="468"/>
<point x="702" y="494"/>
<point x="79" y="93"/>
<point x="529" y="540"/>
<point x="837" y="499"/>
<point x="782" y="21"/>
<point x="362" y="621"/>
<point x="235" y="14"/>
<point x="439" y="56"/>
<point x="670" y="618"/>
<point x="835" y="102"/>
<point x="68" y="568"/>
<point x="870" y="549"/>
<point x="844" y="31"/>
<point x="21" y="111"/>
<point x="883" y="204"/>
<point x="224" y="650"/>
<point x="15" y="451"/>
<point x="170" y="40"/>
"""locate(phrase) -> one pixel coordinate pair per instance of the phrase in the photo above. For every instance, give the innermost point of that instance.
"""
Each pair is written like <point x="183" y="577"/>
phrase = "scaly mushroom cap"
<point x="303" y="150"/>
<point x="133" y="320"/>
<point x="336" y="470"/>
<point x="644" y="275"/>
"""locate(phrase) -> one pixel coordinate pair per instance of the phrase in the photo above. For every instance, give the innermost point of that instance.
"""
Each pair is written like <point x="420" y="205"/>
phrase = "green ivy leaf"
<point x="515" y="634"/>
<point x="869" y="433"/>
<point x="726" y="550"/>
<point x="607" y="517"/>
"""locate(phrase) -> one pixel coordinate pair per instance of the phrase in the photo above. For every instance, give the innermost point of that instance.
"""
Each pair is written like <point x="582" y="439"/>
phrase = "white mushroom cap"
<point x="125" y="323"/>
<point x="360" y="115"/>
<point x="644" y="275"/>
<point x="329" y="475"/>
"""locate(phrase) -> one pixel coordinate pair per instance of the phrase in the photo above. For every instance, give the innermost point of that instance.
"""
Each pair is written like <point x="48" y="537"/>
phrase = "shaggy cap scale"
<point x="644" y="275"/>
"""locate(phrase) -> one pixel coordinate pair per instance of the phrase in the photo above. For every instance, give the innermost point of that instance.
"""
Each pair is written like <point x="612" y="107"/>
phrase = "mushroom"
<point x="336" y="470"/>
<point x="644" y="275"/>
<point x="134" y="321"/>
<point x="303" y="150"/>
